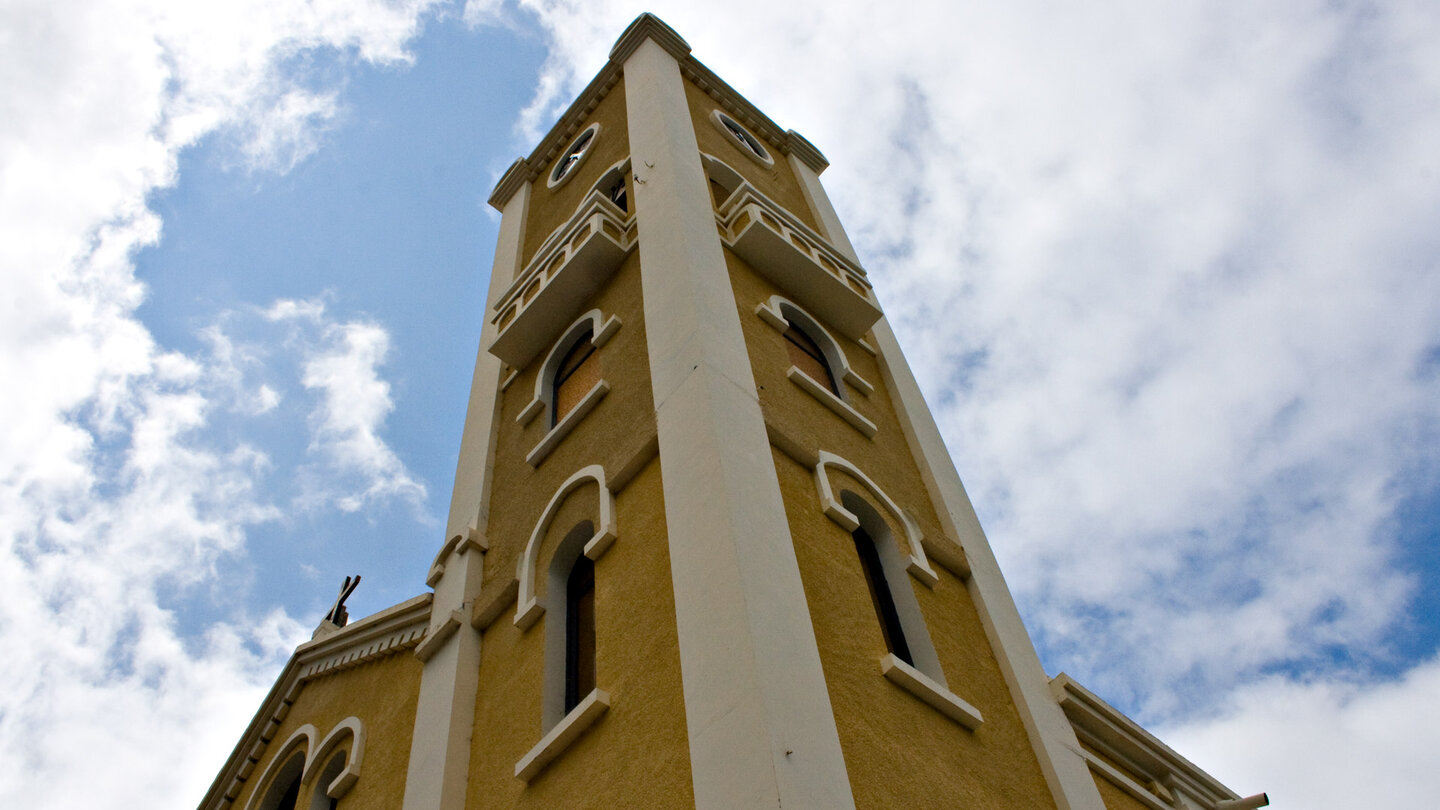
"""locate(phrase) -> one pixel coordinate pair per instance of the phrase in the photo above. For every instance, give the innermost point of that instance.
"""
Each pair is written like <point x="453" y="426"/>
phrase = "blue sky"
<point x="1168" y="275"/>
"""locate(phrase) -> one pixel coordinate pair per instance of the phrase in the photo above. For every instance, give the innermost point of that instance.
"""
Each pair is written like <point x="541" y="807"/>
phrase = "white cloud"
<point x="1169" y="274"/>
<point x="340" y="363"/>
<point x="116" y="496"/>
<point x="1325" y="743"/>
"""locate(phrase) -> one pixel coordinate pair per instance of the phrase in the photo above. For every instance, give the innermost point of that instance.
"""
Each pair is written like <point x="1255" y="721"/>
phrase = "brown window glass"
<point x="579" y="632"/>
<point x="881" y="596"/>
<point x="806" y="356"/>
<point x="577" y="374"/>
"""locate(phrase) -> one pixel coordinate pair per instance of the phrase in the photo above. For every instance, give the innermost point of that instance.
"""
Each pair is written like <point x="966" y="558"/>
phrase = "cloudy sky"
<point x="1169" y="273"/>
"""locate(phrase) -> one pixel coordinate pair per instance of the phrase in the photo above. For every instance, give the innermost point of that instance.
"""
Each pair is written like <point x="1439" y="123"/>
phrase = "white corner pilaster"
<point x="438" y="772"/>
<point x="1051" y="735"/>
<point x="825" y="215"/>
<point x="761" y="729"/>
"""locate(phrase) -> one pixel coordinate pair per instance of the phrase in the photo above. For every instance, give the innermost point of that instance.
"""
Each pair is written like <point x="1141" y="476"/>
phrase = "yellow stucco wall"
<point x="611" y="435"/>
<point x="382" y="694"/>
<point x="549" y="208"/>
<point x="776" y="182"/>
<point x="899" y="752"/>
<point x="637" y="754"/>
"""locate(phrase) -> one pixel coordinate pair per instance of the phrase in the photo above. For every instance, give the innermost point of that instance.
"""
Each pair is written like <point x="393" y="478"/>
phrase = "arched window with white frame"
<point x="805" y="354"/>
<point x="897" y="612"/>
<point x="577" y="372"/>
<point x="562" y="589"/>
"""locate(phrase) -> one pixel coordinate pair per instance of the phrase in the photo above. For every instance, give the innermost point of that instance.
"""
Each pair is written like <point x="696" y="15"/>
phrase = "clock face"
<point x="742" y="137"/>
<point x="575" y="154"/>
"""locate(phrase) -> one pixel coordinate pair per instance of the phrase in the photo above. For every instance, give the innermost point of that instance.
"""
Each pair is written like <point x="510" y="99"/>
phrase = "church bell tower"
<point x="706" y="547"/>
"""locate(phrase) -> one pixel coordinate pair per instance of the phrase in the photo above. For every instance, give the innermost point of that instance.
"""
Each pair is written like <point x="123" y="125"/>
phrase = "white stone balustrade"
<point x="567" y="269"/>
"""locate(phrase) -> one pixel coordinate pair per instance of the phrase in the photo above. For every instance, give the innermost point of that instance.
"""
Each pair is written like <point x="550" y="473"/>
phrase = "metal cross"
<point x="338" y="616"/>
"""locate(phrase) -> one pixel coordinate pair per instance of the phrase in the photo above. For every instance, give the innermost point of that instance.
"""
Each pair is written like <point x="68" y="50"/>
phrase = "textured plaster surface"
<point x="634" y="756"/>
<point x="382" y="694"/>
<point x="899" y="751"/>
<point x="884" y="730"/>
<point x="610" y="435"/>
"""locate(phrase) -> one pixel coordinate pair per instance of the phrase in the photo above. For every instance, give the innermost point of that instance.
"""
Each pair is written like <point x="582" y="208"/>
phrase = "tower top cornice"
<point x="650" y="27"/>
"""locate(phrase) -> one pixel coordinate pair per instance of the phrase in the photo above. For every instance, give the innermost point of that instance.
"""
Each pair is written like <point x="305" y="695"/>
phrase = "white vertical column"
<point x="761" y="729"/>
<point x="1051" y="735"/>
<point x="445" y="713"/>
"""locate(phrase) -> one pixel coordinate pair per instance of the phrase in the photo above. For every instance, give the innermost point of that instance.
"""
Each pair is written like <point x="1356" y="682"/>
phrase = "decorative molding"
<point x="601" y="330"/>
<point x="827" y="398"/>
<point x="304" y="740"/>
<point x="436" y="639"/>
<point x="948" y="553"/>
<point x="528" y="609"/>
<point x="648" y="26"/>
<point x="460" y="543"/>
<point x="801" y="147"/>
<point x="1104" y="728"/>
<point x="919" y="566"/>
<point x="567" y="731"/>
<point x="1118" y="778"/>
<point x="484" y="613"/>
<point x="773" y="311"/>
<point x="567" y="423"/>
<point x="346" y="779"/>
<point x="572" y="264"/>
<point x="391" y="631"/>
<point x="519" y="173"/>
<point x="798" y="260"/>
<point x="933" y="694"/>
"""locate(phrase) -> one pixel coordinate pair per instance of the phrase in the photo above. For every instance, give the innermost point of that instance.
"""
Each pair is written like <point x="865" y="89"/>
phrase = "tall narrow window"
<point x="579" y="632"/>
<point x="805" y="354"/>
<point x="577" y="373"/>
<point x="881" y="596"/>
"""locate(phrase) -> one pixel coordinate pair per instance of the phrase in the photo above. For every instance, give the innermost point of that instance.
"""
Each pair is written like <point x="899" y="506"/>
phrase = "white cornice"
<point x="648" y="26"/>
<point x="390" y="631"/>
<point x="1106" y="728"/>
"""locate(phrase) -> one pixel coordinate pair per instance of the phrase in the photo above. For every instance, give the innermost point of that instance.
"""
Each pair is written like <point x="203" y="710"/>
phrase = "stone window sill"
<point x="567" y="731"/>
<point x="922" y="686"/>
<point x="567" y="423"/>
<point x="834" y="403"/>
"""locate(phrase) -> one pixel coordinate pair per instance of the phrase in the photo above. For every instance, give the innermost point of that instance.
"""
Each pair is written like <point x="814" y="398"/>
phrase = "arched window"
<point x="578" y="371"/>
<point x="579" y="632"/>
<point x="284" y="789"/>
<point x="612" y="185"/>
<point x="569" y="626"/>
<point x="806" y="355"/>
<point x="896" y="609"/>
<point x="723" y="179"/>
<point x="881" y="596"/>
<point x="320" y="799"/>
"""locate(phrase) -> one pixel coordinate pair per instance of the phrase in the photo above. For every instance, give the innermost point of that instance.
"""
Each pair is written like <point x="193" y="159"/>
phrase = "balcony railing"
<point x="567" y="270"/>
<point x="799" y="261"/>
